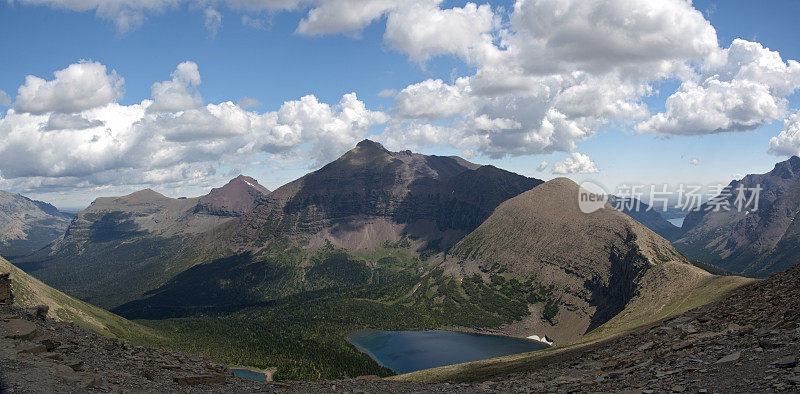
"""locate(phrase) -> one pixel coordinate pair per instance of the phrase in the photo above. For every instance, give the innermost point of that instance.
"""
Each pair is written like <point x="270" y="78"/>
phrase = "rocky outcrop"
<point x="236" y="198"/>
<point x="6" y="296"/>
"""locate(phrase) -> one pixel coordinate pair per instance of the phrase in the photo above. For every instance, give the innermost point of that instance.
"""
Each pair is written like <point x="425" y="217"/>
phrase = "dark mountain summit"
<point x="370" y="195"/>
<point x="237" y="197"/>
<point x="754" y="242"/>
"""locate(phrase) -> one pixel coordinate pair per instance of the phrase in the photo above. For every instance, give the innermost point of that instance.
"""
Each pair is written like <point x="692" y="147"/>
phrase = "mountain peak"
<point x="369" y="144"/>
<point x="144" y="195"/>
<point x="245" y="181"/>
<point x="789" y="168"/>
<point x="594" y="262"/>
<point x="238" y="196"/>
<point x="562" y="182"/>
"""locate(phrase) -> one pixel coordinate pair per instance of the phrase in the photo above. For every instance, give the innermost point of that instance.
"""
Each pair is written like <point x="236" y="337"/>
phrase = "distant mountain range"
<point x="370" y="195"/>
<point x="368" y="198"/>
<point x="650" y="218"/>
<point x="753" y="242"/>
<point x="120" y="247"/>
<point x="28" y="225"/>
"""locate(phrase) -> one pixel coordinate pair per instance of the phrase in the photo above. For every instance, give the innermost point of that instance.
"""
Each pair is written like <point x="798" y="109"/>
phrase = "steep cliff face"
<point x="753" y="242"/>
<point x="370" y="195"/>
<point x="27" y="225"/>
<point x="595" y="264"/>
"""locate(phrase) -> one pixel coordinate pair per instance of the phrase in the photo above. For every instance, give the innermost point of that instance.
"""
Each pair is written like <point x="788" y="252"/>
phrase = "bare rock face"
<point x="751" y="242"/>
<point x="19" y="329"/>
<point x="370" y="190"/>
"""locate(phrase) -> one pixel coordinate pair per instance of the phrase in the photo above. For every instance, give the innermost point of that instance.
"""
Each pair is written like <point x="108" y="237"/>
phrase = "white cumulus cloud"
<point x="116" y="144"/>
<point x="787" y="143"/>
<point x="180" y="93"/>
<point x="423" y="30"/>
<point x="343" y="16"/>
<point x="576" y="163"/>
<point x="79" y="87"/>
<point x="743" y="88"/>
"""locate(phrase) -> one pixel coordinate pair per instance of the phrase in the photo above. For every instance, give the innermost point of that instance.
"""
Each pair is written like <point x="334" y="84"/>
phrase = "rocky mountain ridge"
<point x="370" y="195"/>
<point x="753" y="242"/>
<point x="27" y="225"/>
<point x="141" y="235"/>
<point x="364" y="199"/>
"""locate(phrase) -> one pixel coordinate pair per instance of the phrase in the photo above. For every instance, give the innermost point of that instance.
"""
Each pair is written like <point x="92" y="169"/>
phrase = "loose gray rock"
<point x="730" y="358"/>
<point x="786" y="362"/>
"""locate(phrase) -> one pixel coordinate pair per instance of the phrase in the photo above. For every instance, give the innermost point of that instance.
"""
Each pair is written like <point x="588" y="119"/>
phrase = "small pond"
<point x="248" y="374"/>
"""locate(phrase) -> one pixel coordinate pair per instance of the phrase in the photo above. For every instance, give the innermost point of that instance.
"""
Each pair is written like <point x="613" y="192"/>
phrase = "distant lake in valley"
<point x="248" y="374"/>
<point x="408" y="351"/>
<point x="677" y="221"/>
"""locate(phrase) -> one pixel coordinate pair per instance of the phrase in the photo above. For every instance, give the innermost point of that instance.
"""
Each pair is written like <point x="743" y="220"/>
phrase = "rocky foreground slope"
<point x="747" y="342"/>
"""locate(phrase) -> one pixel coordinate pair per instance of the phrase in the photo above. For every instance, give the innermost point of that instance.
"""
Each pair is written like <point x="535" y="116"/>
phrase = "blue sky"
<point x="273" y="64"/>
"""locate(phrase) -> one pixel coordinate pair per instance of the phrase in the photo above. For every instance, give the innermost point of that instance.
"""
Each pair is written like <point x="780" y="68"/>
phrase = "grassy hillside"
<point x="29" y="291"/>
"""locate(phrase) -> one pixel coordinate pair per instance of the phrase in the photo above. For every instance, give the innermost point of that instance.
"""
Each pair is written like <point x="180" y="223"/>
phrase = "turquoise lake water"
<point x="248" y="374"/>
<point x="408" y="351"/>
<point x="676" y="221"/>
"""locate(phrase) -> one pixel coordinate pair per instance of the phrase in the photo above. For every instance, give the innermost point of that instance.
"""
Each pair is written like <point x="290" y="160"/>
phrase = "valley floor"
<point x="747" y="342"/>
